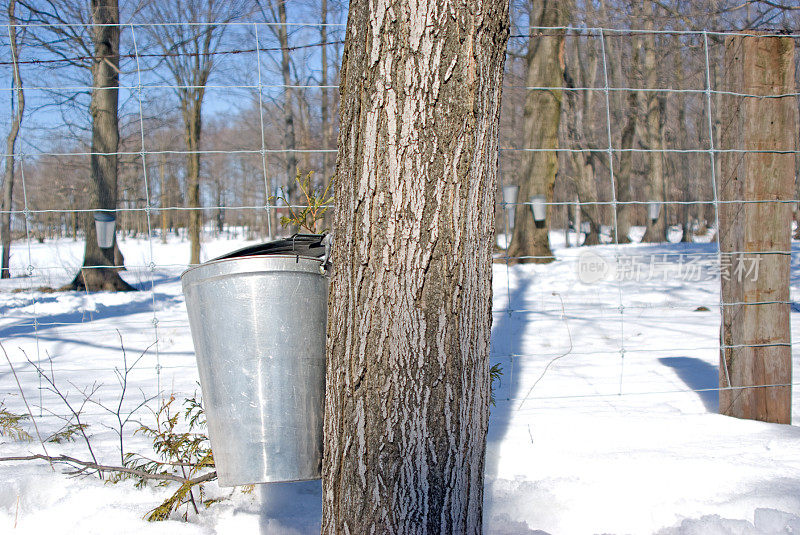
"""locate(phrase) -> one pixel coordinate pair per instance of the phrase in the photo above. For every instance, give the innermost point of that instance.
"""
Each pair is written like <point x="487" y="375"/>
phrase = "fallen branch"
<point x="87" y="465"/>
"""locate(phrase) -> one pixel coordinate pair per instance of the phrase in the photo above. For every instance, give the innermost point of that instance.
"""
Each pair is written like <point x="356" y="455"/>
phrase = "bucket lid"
<point x="104" y="216"/>
<point x="308" y="245"/>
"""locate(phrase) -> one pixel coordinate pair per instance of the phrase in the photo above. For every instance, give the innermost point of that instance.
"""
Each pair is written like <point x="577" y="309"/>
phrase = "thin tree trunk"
<point x="324" y="111"/>
<point x="105" y="144"/>
<point x="623" y="174"/>
<point x="289" y="140"/>
<point x="407" y="388"/>
<point x="164" y="198"/>
<point x="11" y="140"/>
<point x="192" y="133"/>
<point x="540" y="125"/>
<point x="220" y="202"/>
<point x="74" y="224"/>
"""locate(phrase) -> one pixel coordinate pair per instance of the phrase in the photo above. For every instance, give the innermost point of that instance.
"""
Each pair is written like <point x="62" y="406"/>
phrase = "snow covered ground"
<point x="605" y="419"/>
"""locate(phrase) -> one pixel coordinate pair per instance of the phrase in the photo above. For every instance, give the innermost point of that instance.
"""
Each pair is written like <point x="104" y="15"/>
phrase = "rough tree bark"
<point x="11" y="140"/>
<point x="541" y="118"/>
<point x="755" y="237"/>
<point x="407" y="389"/>
<point x="105" y="143"/>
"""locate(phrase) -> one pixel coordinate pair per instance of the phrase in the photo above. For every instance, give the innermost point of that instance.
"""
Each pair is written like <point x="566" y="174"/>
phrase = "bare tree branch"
<point x="93" y="466"/>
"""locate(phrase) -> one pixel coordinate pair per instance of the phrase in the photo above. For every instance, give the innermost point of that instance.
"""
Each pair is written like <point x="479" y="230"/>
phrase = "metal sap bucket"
<point x="104" y="223"/>
<point x="258" y="319"/>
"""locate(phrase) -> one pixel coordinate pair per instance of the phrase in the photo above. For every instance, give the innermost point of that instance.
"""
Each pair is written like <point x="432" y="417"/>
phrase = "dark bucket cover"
<point x="308" y="245"/>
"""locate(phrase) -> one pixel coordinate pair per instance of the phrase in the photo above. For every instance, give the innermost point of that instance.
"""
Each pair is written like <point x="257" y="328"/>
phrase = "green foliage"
<point x="316" y="205"/>
<point x="11" y="424"/>
<point x="495" y="373"/>
<point x="186" y="454"/>
<point x="68" y="433"/>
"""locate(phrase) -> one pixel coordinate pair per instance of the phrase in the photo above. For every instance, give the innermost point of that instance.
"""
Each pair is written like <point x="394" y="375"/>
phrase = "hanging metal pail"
<point x="104" y="223"/>
<point x="258" y="326"/>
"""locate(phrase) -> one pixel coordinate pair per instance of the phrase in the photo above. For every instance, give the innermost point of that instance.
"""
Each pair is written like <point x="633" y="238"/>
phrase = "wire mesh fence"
<point x="598" y="327"/>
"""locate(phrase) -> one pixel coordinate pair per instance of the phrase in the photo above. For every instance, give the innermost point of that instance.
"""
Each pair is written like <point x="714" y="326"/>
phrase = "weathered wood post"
<point x="755" y="226"/>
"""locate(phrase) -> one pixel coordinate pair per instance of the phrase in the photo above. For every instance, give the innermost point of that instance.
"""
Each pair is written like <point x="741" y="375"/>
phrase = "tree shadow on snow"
<point x="506" y="341"/>
<point x="698" y="375"/>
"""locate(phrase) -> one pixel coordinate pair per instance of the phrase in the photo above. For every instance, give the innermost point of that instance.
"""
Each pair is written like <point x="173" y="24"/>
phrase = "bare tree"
<point x="275" y="12"/>
<point x="85" y="38"/>
<point x="189" y="38"/>
<point x="98" y="271"/>
<point x="407" y="390"/>
<point x="11" y="140"/>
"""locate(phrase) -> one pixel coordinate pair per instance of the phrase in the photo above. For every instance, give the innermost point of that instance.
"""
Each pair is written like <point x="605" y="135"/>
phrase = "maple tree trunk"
<point x="105" y="144"/>
<point x="541" y="118"/>
<point x="407" y="389"/>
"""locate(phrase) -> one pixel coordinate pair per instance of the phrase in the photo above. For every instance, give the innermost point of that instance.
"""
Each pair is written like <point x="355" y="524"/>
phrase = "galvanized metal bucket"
<point x="104" y="223"/>
<point x="258" y="326"/>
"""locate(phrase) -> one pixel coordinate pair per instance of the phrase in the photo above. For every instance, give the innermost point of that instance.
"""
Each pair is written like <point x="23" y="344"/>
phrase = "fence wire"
<point x="51" y="332"/>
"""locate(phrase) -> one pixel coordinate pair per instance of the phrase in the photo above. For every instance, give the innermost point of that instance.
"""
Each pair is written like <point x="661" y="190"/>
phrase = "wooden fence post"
<point x="755" y="235"/>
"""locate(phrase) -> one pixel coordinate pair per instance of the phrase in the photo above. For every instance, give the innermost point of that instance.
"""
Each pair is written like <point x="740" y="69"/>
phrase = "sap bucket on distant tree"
<point x="539" y="209"/>
<point x="104" y="224"/>
<point x="510" y="199"/>
<point x="258" y="319"/>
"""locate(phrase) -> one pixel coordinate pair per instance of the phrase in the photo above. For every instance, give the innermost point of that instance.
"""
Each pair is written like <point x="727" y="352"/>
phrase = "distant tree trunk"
<point x="540" y="130"/>
<point x="407" y="390"/>
<point x="74" y="224"/>
<point x="164" y="203"/>
<point x="327" y="172"/>
<point x="220" y="202"/>
<point x="105" y="144"/>
<point x="192" y="124"/>
<point x="324" y="111"/>
<point x="11" y="140"/>
<point x="654" y="128"/>
<point x="627" y="106"/>
<point x="682" y="169"/>
<point x="579" y="107"/>
<point x="623" y="175"/>
<point x="289" y="140"/>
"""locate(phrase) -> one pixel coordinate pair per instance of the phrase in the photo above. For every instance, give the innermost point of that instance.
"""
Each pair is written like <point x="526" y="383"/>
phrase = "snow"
<point x="584" y="438"/>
